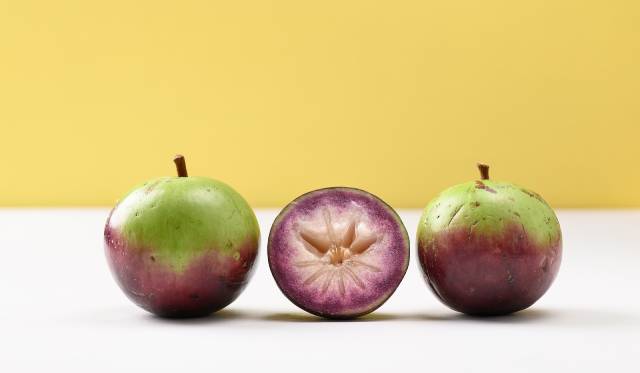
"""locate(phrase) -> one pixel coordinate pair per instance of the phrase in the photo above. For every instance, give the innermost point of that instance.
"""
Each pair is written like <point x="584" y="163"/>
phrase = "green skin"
<point x="181" y="218"/>
<point x="489" y="213"/>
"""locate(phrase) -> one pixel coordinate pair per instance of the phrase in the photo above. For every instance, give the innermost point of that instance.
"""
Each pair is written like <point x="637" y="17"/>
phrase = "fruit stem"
<point x="181" y="165"/>
<point x="484" y="171"/>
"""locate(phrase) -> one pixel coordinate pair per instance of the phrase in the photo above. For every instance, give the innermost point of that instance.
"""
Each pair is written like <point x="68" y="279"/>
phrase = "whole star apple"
<point x="182" y="246"/>
<point x="488" y="247"/>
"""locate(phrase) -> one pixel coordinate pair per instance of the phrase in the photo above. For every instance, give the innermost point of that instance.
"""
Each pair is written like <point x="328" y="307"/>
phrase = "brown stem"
<point x="484" y="171"/>
<point x="181" y="165"/>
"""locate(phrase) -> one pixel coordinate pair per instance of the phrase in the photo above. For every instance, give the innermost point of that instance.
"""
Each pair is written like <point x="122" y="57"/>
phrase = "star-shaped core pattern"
<point x="337" y="257"/>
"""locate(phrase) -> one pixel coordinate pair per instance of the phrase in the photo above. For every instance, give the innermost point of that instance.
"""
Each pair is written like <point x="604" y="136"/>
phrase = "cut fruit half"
<point x="338" y="252"/>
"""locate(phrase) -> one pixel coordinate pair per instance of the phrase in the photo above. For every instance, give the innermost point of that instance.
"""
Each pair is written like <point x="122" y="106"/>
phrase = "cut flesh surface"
<point x="338" y="252"/>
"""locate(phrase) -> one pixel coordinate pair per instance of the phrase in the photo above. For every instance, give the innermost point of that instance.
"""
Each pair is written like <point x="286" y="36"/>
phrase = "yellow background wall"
<point x="280" y="97"/>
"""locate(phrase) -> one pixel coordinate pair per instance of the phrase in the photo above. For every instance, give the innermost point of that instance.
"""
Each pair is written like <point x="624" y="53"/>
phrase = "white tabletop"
<point x="60" y="309"/>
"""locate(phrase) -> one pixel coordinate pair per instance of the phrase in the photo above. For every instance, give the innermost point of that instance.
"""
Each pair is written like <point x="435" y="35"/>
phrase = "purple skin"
<point x="208" y="284"/>
<point x="507" y="272"/>
<point x="338" y="252"/>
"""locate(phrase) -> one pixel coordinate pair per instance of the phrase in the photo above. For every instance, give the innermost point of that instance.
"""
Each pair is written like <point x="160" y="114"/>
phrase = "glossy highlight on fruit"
<point x="489" y="248"/>
<point x="338" y="252"/>
<point x="182" y="246"/>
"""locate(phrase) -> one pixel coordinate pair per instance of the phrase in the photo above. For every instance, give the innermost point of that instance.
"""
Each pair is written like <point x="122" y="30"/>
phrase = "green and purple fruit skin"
<point x="182" y="246"/>
<point x="489" y="248"/>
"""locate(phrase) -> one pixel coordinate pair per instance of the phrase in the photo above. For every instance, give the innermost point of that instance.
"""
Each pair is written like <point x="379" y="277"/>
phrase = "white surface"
<point x="61" y="310"/>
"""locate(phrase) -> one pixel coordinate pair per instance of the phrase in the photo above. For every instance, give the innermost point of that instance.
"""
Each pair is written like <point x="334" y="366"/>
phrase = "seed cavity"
<point x="338" y="255"/>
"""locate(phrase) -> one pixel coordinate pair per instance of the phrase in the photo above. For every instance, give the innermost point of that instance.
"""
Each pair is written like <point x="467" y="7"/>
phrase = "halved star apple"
<point x="338" y="252"/>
